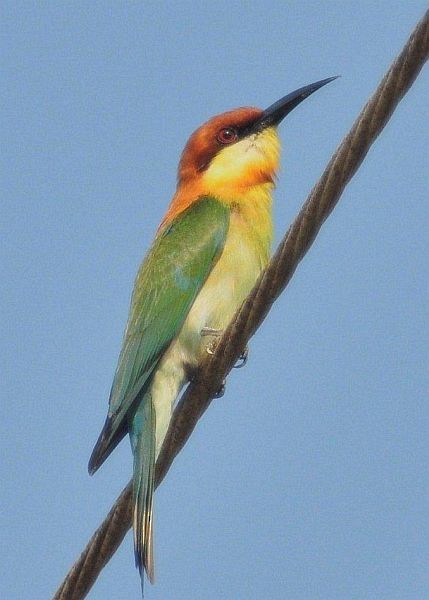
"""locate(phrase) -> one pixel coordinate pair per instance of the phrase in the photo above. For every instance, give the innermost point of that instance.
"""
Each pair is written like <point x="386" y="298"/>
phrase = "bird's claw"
<point x="211" y="348"/>
<point x="221" y="390"/>
<point x="242" y="359"/>
<point x="216" y="333"/>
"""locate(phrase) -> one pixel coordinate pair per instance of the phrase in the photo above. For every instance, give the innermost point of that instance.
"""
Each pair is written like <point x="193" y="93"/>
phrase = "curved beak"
<point x="275" y="113"/>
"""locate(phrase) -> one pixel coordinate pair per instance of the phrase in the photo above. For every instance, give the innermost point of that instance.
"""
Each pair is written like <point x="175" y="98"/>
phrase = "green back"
<point x="173" y="272"/>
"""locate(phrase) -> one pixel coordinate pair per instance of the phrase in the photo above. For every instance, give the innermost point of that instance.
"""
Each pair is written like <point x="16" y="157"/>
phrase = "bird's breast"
<point x="245" y="254"/>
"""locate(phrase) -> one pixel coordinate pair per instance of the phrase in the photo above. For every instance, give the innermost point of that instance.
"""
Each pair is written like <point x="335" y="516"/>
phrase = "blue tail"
<point x="142" y="434"/>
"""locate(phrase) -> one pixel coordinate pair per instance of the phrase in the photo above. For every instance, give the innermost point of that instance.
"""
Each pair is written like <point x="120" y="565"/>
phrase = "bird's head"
<point x="239" y="148"/>
<point x="233" y="153"/>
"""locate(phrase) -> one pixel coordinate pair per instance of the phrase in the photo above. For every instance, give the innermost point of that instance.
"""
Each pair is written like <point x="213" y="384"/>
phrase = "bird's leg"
<point x="211" y="331"/>
<point x="216" y="333"/>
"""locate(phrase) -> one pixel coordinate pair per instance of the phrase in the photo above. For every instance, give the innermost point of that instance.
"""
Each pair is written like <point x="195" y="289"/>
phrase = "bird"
<point x="209" y="250"/>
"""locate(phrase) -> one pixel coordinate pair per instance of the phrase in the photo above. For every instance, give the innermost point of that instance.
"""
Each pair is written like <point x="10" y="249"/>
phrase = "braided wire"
<point x="297" y="241"/>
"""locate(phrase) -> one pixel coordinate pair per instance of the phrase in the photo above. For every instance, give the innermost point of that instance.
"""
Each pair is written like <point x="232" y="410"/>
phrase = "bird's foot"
<point x="216" y="333"/>
<point x="210" y="331"/>
<point x="221" y="390"/>
<point x="242" y="359"/>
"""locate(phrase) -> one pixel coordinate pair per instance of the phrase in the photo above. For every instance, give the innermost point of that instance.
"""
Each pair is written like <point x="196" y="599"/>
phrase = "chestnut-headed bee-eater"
<point x="207" y="254"/>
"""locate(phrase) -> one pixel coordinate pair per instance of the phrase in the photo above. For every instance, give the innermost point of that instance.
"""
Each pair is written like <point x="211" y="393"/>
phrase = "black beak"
<point x="277" y="111"/>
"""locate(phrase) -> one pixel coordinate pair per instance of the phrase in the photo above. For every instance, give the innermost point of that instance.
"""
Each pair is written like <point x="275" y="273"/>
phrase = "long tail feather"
<point x="142" y="431"/>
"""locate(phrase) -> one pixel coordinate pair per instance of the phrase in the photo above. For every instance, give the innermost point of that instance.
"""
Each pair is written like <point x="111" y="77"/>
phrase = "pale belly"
<point x="227" y="286"/>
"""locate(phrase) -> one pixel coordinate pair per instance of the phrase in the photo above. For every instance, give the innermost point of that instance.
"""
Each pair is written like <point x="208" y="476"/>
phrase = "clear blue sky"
<point x="307" y="480"/>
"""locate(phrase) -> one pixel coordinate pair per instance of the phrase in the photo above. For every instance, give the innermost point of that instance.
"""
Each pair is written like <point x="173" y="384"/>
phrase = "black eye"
<point x="227" y="135"/>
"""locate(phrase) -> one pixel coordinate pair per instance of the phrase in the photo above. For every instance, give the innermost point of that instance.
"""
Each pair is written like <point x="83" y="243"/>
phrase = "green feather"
<point x="142" y="434"/>
<point x="173" y="272"/>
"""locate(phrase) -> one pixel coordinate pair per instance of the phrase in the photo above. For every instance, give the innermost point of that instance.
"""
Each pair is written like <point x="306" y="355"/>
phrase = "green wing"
<point x="173" y="272"/>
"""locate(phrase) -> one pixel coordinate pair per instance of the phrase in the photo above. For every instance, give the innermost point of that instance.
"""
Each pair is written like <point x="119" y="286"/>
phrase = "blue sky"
<point x="307" y="480"/>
